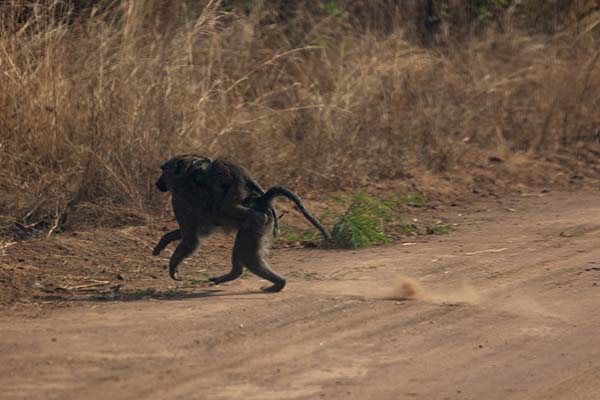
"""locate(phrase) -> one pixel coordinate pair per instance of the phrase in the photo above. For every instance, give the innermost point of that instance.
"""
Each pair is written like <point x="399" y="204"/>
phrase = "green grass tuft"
<point x="439" y="228"/>
<point x="415" y="200"/>
<point x="409" y="229"/>
<point x="143" y="293"/>
<point x="363" y="223"/>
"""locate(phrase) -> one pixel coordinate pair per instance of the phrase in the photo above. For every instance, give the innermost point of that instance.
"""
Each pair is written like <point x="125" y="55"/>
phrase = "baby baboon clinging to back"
<point x="207" y="194"/>
<point x="220" y="187"/>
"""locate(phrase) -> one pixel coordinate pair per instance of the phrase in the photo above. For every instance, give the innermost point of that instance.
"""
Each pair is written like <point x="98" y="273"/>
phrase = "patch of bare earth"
<point x="505" y="307"/>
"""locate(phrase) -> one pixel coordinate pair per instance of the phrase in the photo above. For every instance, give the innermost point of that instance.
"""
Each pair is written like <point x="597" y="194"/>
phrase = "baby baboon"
<point x="233" y="192"/>
<point x="199" y="187"/>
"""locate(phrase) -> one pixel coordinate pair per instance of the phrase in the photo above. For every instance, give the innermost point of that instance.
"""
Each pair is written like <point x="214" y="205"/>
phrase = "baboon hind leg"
<point x="186" y="248"/>
<point x="247" y="252"/>
<point x="236" y="271"/>
<point x="259" y="267"/>
<point x="165" y="240"/>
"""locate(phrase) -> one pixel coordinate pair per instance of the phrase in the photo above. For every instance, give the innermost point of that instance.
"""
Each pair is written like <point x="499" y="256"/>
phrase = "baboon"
<point x="199" y="188"/>
<point x="221" y="186"/>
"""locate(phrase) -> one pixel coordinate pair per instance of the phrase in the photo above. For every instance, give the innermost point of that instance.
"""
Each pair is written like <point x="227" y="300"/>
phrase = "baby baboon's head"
<point x="179" y="170"/>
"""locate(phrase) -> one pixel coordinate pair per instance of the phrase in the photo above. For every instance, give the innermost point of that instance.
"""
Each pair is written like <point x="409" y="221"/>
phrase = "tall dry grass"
<point x="90" y="104"/>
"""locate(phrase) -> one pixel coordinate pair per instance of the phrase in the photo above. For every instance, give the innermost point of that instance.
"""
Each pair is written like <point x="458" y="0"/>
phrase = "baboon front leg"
<point x="236" y="271"/>
<point x="186" y="247"/>
<point x="165" y="240"/>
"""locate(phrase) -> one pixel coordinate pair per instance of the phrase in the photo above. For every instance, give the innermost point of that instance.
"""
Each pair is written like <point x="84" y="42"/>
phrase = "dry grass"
<point x="90" y="106"/>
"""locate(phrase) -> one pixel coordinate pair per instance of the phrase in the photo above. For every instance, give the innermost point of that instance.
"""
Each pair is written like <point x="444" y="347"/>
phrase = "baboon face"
<point x="161" y="184"/>
<point x="178" y="170"/>
<point x="167" y="179"/>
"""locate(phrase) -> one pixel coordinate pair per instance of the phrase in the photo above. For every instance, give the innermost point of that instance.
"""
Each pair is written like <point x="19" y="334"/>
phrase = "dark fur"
<point x="197" y="203"/>
<point x="223" y="187"/>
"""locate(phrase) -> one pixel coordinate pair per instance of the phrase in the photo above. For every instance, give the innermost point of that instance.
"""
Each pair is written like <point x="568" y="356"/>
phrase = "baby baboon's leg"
<point x="186" y="247"/>
<point x="231" y="203"/>
<point x="245" y="216"/>
<point x="236" y="271"/>
<point x="165" y="240"/>
<point x="232" y="197"/>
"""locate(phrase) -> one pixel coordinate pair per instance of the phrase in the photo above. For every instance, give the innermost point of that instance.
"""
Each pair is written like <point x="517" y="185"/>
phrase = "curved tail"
<point x="265" y="202"/>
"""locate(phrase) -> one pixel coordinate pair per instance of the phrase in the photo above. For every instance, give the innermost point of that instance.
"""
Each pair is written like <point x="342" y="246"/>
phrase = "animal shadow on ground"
<point x="145" y="294"/>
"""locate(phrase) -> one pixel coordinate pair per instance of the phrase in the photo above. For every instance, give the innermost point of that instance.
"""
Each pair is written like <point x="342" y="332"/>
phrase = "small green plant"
<point x="486" y="9"/>
<point x="363" y="223"/>
<point x="331" y="8"/>
<point x="439" y="228"/>
<point x="409" y="229"/>
<point x="142" y="293"/>
<point x="416" y="200"/>
<point x="172" y="293"/>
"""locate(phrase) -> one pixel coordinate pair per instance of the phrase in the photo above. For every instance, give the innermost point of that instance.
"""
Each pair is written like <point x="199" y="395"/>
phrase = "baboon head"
<point x="179" y="170"/>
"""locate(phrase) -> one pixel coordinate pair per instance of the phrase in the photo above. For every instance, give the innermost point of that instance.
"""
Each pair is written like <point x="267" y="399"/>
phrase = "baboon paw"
<point x="175" y="276"/>
<point x="156" y="251"/>
<point x="274" y="288"/>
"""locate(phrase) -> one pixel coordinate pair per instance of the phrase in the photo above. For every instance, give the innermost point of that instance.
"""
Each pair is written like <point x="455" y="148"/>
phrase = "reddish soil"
<point x="504" y="307"/>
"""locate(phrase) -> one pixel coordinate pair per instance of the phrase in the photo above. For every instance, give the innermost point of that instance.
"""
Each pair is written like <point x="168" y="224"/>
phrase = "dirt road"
<point x="505" y="307"/>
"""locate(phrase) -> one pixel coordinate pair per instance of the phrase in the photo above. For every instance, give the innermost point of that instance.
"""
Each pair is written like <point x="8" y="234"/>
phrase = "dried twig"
<point x="486" y="251"/>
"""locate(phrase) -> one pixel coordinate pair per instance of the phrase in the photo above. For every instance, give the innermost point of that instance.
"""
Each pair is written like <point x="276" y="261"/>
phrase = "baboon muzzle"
<point x="161" y="185"/>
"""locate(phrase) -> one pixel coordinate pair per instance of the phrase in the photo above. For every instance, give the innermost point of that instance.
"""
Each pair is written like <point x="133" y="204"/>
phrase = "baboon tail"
<point x="280" y="191"/>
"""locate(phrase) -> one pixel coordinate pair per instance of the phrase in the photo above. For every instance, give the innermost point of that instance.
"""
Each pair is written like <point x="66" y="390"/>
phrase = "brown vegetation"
<point x="92" y="102"/>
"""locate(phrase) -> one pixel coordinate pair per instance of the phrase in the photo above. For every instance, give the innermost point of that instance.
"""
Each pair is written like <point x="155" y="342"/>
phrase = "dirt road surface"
<point x="505" y="307"/>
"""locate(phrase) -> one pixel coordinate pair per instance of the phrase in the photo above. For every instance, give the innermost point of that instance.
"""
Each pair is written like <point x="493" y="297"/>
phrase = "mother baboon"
<point x="208" y="194"/>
